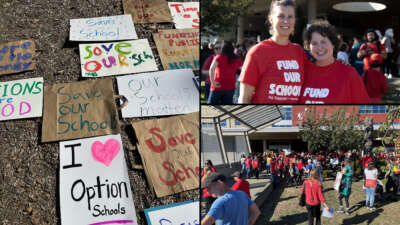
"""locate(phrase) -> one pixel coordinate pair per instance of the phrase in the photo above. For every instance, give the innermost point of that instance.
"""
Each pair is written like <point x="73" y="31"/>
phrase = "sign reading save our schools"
<point x="179" y="48"/>
<point x="78" y="110"/>
<point x="94" y="182"/>
<point x="17" y="56"/>
<point x="102" y="28"/>
<point x="105" y="59"/>
<point x="169" y="149"/>
<point x="178" y="213"/>
<point x="166" y="92"/>
<point x="21" y="99"/>
<point x="185" y="14"/>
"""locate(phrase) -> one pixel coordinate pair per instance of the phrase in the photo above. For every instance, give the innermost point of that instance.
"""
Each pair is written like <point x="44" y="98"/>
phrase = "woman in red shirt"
<point x="329" y="81"/>
<point x="223" y="76"/>
<point x="207" y="197"/>
<point x="314" y="197"/>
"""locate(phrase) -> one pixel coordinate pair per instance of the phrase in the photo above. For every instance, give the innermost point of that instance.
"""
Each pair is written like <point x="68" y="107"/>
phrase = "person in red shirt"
<point x="207" y="197"/>
<point x="223" y="75"/>
<point x="256" y="166"/>
<point x="274" y="172"/>
<point x="314" y="197"/>
<point x="375" y="81"/>
<point x="241" y="184"/>
<point x="273" y="70"/>
<point x="328" y="81"/>
<point x="367" y="159"/>
<point x="206" y="67"/>
<point x="248" y="166"/>
<point x="372" y="46"/>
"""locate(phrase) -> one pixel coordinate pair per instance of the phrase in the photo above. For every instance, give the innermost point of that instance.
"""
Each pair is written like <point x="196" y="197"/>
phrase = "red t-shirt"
<point x="376" y="84"/>
<point x="314" y="194"/>
<point x="366" y="161"/>
<point x="333" y="84"/>
<point x="242" y="185"/>
<point x="300" y="165"/>
<point x="225" y="73"/>
<point x="256" y="163"/>
<point x="374" y="47"/>
<point x="207" y="65"/>
<point x="276" y="72"/>
<point x="248" y="162"/>
<point x="274" y="168"/>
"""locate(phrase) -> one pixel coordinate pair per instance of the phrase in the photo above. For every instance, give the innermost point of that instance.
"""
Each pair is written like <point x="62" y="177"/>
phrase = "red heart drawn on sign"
<point x="105" y="153"/>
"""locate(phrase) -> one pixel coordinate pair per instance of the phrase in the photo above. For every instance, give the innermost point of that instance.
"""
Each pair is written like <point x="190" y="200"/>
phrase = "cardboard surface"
<point x="17" y="56"/>
<point x="185" y="14"/>
<point x="148" y="11"/>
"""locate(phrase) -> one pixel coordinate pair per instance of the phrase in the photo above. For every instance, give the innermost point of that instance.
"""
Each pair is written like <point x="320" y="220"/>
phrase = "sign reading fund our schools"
<point x="98" y="60"/>
<point x="17" y="56"/>
<point x="178" y="213"/>
<point x="102" y="29"/>
<point x="94" y="182"/>
<point x="166" y="92"/>
<point x="21" y="99"/>
<point x="79" y="109"/>
<point x="179" y="48"/>
<point x="169" y="149"/>
<point x="185" y="14"/>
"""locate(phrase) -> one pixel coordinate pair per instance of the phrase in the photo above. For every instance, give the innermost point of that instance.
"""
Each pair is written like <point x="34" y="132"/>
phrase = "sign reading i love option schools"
<point x="148" y="11"/>
<point x="94" y="182"/>
<point x="78" y="110"/>
<point x="21" y="99"/>
<point x="105" y="59"/>
<point x="169" y="149"/>
<point x="102" y="29"/>
<point x="185" y="14"/>
<point x="179" y="48"/>
<point x="17" y="56"/>
<point x="166" y="92"/>
<point x="178" y="213"/>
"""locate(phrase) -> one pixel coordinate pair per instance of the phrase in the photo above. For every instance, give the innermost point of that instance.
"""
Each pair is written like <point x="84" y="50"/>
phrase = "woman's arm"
<point x="214" y="65"/>
<point x="246" y="93"/>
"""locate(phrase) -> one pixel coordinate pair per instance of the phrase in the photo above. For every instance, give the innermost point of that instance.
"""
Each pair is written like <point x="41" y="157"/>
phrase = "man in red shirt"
<point x="241" y="184"/>
<point x="375" y="82"/>
<point x="256" y="166"/>
<point x="274" y="173"/>
<point x="372" y="46"/>
<point x="248" y="166"/>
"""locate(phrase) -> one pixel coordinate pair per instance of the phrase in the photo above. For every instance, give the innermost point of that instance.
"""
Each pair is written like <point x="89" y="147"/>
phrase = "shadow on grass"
<point x="291" y="219"/>
<point x="268" y="208"/>
<point x="368" y="217"/>
<point x="284" y="199"/>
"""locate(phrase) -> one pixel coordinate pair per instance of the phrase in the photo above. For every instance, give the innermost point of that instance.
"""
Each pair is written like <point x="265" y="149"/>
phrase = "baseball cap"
<point x="236" y="174"/>
<point x="375" y="59"/>
<point x="213" y="177"/>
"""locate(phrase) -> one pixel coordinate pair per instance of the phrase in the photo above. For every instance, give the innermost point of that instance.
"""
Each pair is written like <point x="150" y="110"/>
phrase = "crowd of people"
<point x="305" y="170"/>
<point x="278" y="71"/>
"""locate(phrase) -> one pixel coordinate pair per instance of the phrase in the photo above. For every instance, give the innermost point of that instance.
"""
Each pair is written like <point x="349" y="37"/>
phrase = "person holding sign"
<point x="345" y="187"/>
<point x="371" y="180"/>
<point x="231" y="207"/>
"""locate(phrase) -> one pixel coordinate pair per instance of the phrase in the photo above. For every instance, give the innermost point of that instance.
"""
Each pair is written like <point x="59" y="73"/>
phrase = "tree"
<point x="386" y="131"/>
<point x="312" y="131"/>
<point x="221" y="15"/>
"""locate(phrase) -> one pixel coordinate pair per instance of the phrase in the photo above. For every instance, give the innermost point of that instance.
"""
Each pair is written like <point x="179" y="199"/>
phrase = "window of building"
<point x="237" y="123"/>
<point x="372" y="109"/>
<point x="223" y="123"/>
<point x="287" y="113"/>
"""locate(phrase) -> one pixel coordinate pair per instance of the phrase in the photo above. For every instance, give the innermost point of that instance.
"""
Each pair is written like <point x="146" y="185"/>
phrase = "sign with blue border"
<point x="181" y="213"/>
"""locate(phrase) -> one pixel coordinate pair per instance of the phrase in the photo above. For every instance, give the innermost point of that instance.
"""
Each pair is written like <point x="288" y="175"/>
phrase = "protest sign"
<point x="21" y="99"/>
<point x="169" y="149"/>
<point x="160" y="93"/>
<point x="178" y="49"/>
<point x="109" y="28"/>
<point x="105" y="59"/>
<point x="79" y="109"/>
<point x="94" y="182"/>
<point x="148" y="11"/>
<point x="178" y="213"/>
<point x="185" y="14"/>
<point x="338" y="181"/>
<point x="17" y="56"/>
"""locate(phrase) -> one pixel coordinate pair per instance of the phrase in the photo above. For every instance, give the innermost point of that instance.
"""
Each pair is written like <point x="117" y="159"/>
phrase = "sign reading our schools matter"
<point x="17" y="56"/>
<point x="21" y="99"/>
<point x="102" y="28"/>
<point x="185" y="14"/>
<point x="79" y="109"/>
<point x="178" y="48"/>
<point x="94" y="182"/>
<point x="148" y="11"/>
<point x="106" y="59"/>
<point x="169" y="149"/>
<point x="178" y="213"/>
<point x="166" y="92"/>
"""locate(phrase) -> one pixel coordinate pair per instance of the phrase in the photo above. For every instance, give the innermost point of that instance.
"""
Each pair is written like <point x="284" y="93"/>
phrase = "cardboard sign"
<point x="17" y="56"/>
<point x="94" y="182"/>
<point x="178" y="49"/>
<point x="148" y="11"/>
<point x="178" y="213"/>
<point x="105" y="59"/>
<point x="21" y="99"/>
<point x="109" y="28"/>
<point x="160" y="93"/>
<point x="79" y="109"/>
<point x="185" y="14"/>
<point x="169" y="148"/>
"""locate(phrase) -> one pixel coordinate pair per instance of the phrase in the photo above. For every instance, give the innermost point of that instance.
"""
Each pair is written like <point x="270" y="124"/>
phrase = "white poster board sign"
<point x="21" y="99"/>
<point x="94" y="182"/>
<point x="338" y="181"/>
<point x="178" y="213"/>
<point x="166" y="92"/>
<point x="109" y="28"/>
<point x="106" y="59"/>
<point x="185" y="14"/>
